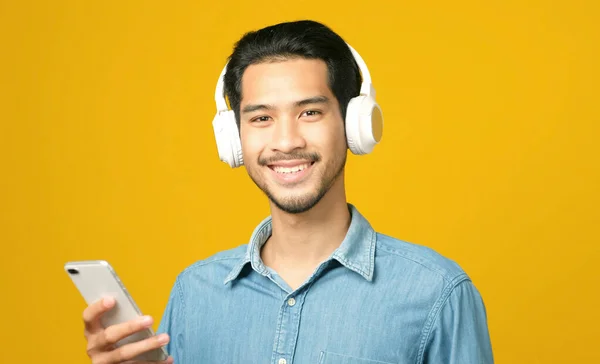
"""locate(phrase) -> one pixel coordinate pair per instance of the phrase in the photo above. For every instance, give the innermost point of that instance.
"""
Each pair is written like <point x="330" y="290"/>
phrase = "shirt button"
<point x="291" y="302"/>
<point x="282" y="361"/>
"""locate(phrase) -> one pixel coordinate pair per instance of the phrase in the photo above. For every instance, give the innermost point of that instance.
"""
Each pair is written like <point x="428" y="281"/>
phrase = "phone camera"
<point x="72" y="271"/>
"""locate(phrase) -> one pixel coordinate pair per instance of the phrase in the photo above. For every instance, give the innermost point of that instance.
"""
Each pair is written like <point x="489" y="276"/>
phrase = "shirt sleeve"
<point x="172" y="323"/>
<point x="459" y="333"/>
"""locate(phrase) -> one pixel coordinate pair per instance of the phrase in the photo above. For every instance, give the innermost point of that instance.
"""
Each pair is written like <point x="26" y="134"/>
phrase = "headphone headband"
<point x="219" y="97"/>
<point x="365" y="87"/>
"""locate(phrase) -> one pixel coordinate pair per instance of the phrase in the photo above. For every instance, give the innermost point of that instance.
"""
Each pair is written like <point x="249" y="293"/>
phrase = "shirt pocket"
<point x="327" y="357"/>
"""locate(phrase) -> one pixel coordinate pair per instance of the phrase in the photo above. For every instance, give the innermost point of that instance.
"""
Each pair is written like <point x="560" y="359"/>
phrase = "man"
<point x="315" y="283"/>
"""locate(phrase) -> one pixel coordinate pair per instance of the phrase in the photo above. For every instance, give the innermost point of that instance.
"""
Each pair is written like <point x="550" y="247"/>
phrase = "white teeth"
<point x="293" y="169"/>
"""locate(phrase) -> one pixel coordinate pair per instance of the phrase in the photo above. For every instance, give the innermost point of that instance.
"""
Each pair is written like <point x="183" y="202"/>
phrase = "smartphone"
<point x="96" y="279"/>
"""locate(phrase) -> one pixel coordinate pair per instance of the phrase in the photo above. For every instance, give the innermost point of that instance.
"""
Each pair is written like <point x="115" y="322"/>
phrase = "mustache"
<point x="265" y="161"/>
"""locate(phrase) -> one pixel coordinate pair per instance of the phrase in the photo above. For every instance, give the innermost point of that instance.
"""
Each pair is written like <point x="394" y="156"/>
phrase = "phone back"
<point x="96" y="279"/>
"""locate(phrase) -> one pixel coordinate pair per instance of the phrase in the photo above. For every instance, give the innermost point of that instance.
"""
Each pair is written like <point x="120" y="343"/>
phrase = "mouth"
<point x="291" y="171"/>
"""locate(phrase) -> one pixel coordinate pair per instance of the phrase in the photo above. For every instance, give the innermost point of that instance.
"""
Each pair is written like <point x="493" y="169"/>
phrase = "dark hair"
<point x="305" y="39"/>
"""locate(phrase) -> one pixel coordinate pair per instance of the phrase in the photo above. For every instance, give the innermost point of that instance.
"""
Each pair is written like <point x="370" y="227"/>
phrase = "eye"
<point x="260" y="119"/>
<point x="310" y="113"/>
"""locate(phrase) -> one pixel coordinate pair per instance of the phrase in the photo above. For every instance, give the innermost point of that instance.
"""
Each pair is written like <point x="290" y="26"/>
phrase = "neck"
<point x="304" y="240"/>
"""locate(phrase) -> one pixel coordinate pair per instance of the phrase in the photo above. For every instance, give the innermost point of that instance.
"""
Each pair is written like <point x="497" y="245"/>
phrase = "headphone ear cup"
<point x="352" y="120"/>
<point x="228" y="140"/>
<point x="364" y="124"/>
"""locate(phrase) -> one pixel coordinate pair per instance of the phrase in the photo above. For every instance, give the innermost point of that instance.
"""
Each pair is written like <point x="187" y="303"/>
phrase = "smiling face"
<point x="292" y="132"/>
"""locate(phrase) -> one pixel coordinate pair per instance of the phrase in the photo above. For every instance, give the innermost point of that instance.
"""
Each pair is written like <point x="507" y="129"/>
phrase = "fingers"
<point x="168" y="361"/>
<point x="114" y="333"/>
<point x="101" y="340"/>
<point x="130" y="351"/>
<point x="92" y="314"/>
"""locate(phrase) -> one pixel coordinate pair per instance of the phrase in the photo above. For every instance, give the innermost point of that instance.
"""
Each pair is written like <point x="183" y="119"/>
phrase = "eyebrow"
<point x="311" y="100"/>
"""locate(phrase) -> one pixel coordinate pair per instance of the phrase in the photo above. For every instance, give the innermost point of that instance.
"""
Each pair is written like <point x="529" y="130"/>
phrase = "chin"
<point x="294" y="206"/>
<point x="295" y="203"/>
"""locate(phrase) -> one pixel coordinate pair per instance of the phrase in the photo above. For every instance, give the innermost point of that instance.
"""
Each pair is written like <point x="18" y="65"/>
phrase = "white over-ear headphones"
<point x="364" y="120"/>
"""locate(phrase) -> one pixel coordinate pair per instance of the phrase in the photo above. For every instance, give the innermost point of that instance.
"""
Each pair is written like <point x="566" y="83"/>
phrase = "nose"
<point x="287" y="135"/>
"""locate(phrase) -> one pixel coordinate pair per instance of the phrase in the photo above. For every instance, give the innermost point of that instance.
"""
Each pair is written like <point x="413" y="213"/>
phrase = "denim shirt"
<point x="375" y="300"/>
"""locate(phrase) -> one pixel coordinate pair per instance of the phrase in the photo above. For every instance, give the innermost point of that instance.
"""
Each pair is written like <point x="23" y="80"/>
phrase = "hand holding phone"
<point x="115" y="329"/>
<point x="101" y="341"/>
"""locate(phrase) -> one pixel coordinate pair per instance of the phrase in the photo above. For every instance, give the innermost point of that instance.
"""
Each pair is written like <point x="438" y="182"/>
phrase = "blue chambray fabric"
<point x="375" y="300"/>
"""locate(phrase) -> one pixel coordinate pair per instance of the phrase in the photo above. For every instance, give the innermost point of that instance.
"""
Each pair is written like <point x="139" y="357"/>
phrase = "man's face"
<point x="292" y="132"/>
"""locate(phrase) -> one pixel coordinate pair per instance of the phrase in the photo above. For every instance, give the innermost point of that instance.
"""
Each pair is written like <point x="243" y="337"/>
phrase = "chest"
<point x="337" y="319"/>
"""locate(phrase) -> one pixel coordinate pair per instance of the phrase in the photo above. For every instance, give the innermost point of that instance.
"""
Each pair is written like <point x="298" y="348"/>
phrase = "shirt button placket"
<point x="288" y="327"/>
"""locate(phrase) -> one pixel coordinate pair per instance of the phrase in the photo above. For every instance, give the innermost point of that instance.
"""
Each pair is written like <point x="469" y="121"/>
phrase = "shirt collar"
<point x="356" y="252"/>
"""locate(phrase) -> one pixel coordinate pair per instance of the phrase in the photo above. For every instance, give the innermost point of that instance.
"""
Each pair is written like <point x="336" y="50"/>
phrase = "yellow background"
<point x="489" y="155"/>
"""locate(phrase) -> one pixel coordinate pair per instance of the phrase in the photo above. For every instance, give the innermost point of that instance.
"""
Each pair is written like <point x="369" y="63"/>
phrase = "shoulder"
<point x="220" y="262"/>
<point x="419" y="257"/>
